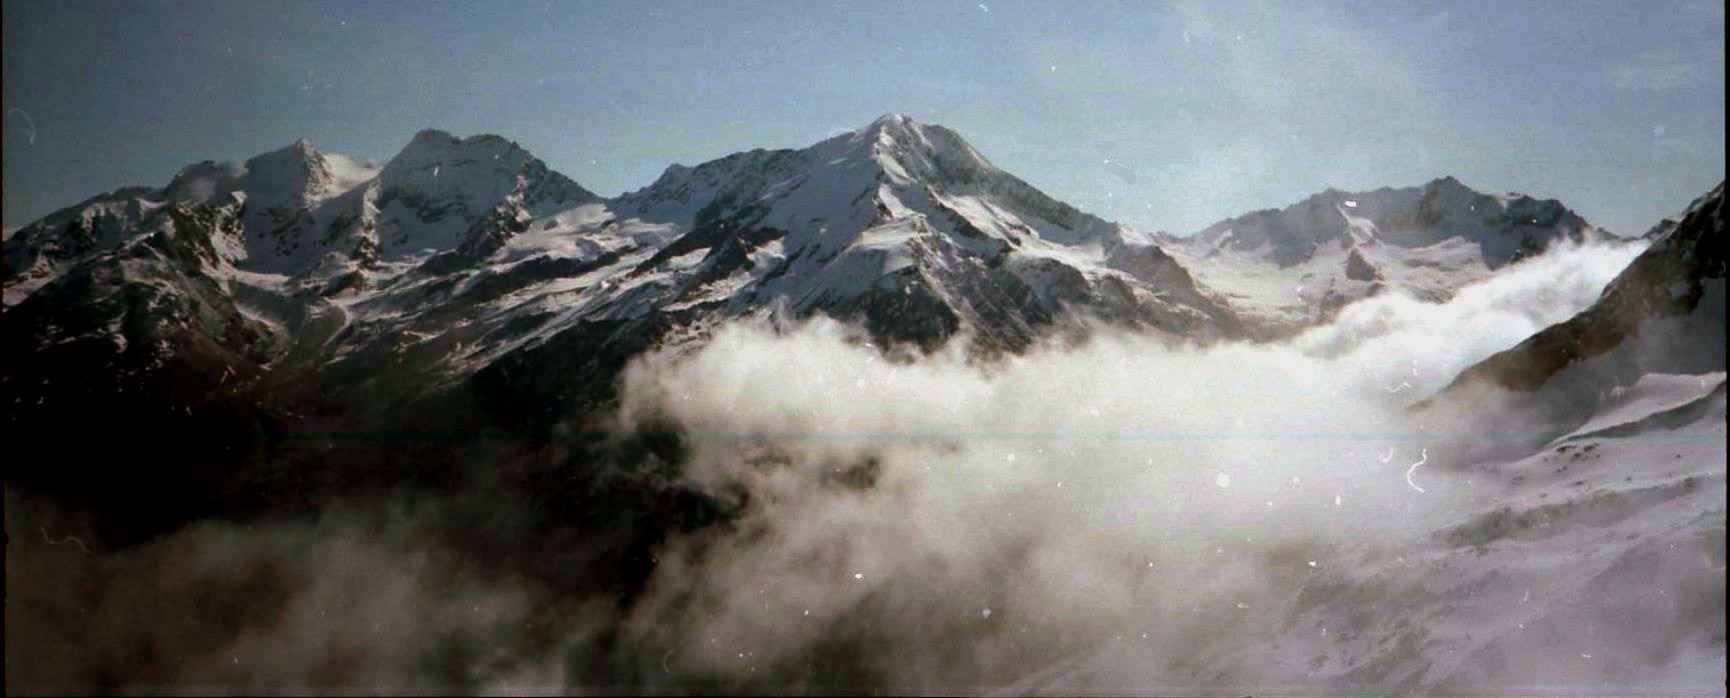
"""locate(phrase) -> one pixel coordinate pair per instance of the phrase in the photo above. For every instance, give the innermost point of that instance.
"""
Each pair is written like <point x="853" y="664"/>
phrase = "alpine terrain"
<point x="872" y="414"/>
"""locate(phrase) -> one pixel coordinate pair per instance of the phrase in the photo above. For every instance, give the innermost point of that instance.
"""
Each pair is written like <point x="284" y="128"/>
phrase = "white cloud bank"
<point x="937" y="524"/>
<point x="929" y="523"/>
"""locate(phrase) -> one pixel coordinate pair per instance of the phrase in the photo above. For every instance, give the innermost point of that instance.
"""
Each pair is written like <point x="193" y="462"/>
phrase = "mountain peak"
<point x="439" y="186"/>
<point x="890" y="121"/>
<point x="287" y="175"/>
<point x="909" y="149"/>
<point x="890" y="118"/>
<point x="888" y="128"/>
<point x="432" y="135"/>
<point x="901" y="128"/>
<point x="300" y="151"/>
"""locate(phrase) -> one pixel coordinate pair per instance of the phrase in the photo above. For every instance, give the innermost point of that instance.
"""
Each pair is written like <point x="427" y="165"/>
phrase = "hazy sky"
<point x="1617" y="108"/>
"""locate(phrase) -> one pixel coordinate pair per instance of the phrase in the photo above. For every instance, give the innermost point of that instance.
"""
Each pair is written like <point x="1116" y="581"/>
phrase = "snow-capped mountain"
<point x="464" y="281"/>
<point x="450" y="329"/>
<point x="899" y="226"/>
<point x="901" y="218"/>
<point x="467" y="267"/>
<point x="307" y="215"/>
<point x="1605" y="535"/>
<point x="427" y="197"/>
<point x="1286" y="268"/>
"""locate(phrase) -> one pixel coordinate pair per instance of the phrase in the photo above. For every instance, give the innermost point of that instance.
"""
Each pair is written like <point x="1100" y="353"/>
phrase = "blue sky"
<point x="1616" y="108"/>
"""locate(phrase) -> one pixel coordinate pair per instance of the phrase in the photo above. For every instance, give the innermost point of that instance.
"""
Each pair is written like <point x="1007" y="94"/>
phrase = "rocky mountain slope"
<point x="301" y="298"/>
<point x="1660" y="316"/>
<point x="262" y="342"/>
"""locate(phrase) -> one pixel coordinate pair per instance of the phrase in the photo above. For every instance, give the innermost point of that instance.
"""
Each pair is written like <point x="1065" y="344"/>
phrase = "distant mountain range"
<point x="465" y="288"/>
<point x="1287" y="268"/>
<point x="445" y="336"/>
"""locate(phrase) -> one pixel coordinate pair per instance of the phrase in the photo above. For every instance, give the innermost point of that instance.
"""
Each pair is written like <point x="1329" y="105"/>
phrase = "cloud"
<point x="900" y="520"/>
<point x="360" y="599"/>
<point x="935" y="523"/>
<point x="1658" y="70"/>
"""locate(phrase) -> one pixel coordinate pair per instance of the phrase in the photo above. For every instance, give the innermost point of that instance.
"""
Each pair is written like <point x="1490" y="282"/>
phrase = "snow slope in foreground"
<point x="1595" y="565"/>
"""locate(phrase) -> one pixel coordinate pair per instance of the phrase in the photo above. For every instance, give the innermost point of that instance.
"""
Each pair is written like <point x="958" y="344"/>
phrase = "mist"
<point x="943" y="524"/>
<point x="920" y="522"/>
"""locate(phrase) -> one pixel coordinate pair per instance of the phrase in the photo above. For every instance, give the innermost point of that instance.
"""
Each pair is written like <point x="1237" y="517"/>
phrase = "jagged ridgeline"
<point x="312" y="320"/>
<point x="419" y="365"/>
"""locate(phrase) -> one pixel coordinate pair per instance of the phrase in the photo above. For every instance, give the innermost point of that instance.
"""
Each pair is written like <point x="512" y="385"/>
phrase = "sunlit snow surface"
<point x="1594" y="566"/>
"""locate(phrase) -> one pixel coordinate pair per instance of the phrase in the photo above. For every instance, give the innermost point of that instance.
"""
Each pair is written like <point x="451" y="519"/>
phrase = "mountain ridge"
<point x="221" y="305"/>
<point x="1681" y="275"/>
<point x="462" y="258"/>
<point x="451" y="334"/>
<point x="1290" y="267"/>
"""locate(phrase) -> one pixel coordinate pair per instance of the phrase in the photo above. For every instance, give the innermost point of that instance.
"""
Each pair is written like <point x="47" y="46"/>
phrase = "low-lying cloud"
<point x="940" y="524"/>
<point x="358" y="599"/>
<point x="929" y="523"/>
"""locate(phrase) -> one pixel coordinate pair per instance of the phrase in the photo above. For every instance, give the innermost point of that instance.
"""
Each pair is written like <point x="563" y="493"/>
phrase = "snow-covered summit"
<point x="303" y="213"/>
<point x="894" y="165"/>
<point x="296" y="176"/>
<point x="905" y="208"/>
<point x="1288" y="267"/>
<point x="427" y="197"/>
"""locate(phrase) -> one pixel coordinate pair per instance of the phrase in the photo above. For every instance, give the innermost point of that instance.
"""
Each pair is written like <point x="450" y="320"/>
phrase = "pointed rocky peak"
<point x="936" y="159"/>
<point x="439" y="186"/>
<point x="891" y="131"/>
<point x="300" y="151"/>
<point x="294" y="174"/>
<point x="828" y="178"/>
<point x="1506" y="227"/>
<point x="909" y="150"/>
<point x="888" y="120"/>
<point x="1451" y="196"/>
<point x="1449" y="200"/>
<point x="887" y="126"/>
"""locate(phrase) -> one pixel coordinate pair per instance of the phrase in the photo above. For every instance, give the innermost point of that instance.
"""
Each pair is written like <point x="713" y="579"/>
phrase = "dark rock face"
<point x="1359" y="269"/>
<point x="146" y="353"/>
